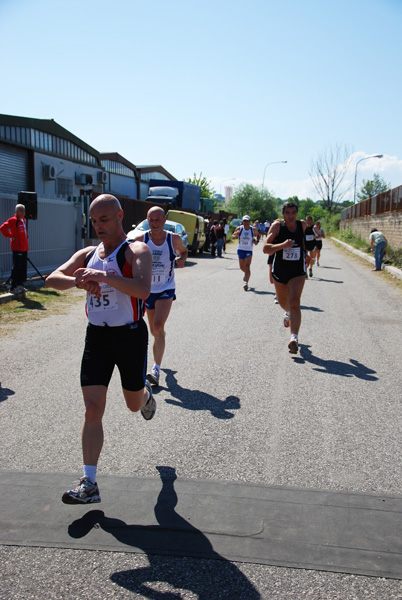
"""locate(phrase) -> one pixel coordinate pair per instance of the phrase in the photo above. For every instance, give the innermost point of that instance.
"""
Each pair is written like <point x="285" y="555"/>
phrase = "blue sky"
<point x="221" y="87"/>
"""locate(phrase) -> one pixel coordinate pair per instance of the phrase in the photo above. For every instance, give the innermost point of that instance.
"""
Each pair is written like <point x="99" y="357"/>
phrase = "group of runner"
<point x="123" y="277"/>
<point x="292" y="246"/>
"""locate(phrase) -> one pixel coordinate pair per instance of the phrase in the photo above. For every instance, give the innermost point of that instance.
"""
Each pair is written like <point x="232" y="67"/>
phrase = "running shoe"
<point x="276" y="299"/>
<point x="286" y="319"/>
<point x="293" y="347"/>
<point x="86" y="492"/>
<point x="318" y="264"/>
<point x="245" y="287"/>
<point x="310" y="272"/>
<point x="153" y="376"/>
<point x="149" y="409"/>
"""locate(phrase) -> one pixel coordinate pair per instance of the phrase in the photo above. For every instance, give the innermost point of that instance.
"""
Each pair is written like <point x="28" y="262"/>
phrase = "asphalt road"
<point x="233" y="405"/>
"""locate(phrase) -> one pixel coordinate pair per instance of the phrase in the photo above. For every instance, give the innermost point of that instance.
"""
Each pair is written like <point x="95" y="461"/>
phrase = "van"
<point x="195" y="227"/>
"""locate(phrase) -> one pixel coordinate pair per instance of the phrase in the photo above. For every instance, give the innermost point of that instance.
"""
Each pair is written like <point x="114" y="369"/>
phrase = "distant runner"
<point x="310" y="238"/>
<point x="319" y="236"/>
<point x="247" y="236"/>
<point x="285" y="241"/>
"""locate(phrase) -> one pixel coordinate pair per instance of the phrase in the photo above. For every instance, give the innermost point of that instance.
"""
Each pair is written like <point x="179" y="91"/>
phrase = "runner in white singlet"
<point x="247" y="236"/>
<point x="117" y="278"/>
<point x="167" y="250"/>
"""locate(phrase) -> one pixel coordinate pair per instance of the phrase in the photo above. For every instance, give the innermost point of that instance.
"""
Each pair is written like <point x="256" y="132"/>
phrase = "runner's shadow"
<point x="335" y="367"/>
<point x="175" y="537"/>
<point x="197" y="400"/>
<point x="325" y="280"/>
<point x="312" y="308"/>
<point x="260" y="292"/>
<point x="5" y="393"/>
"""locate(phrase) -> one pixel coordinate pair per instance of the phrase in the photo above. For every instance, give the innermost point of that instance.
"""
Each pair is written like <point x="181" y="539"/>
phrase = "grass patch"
<point x="392" y="257"/>
<point x="36" y="304"/>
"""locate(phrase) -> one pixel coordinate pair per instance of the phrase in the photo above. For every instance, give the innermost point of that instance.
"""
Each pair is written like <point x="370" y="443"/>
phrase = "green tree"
<point x="309" y="207"/>
<point x="258" y="204"/>
<point x="207" y="190"/>
<point x="372" y="187"/>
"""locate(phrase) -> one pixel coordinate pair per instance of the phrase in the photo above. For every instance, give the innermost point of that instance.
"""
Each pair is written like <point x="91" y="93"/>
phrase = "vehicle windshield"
<point x="169" y="227"/>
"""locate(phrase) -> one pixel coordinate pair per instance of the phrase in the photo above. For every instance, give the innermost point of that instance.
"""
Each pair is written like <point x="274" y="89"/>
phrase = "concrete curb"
<point x="392" y="270"/>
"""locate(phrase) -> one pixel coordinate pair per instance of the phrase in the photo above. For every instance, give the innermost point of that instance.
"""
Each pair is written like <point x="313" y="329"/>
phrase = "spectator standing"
<point x="226" y="228"/>
<point x="220" y="238"/>
<point x="213" y="238"/>
<point x="15" y="228"/>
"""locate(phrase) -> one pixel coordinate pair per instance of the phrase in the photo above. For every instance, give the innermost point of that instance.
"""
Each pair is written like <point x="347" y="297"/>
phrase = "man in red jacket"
<point x="15" y="229"/>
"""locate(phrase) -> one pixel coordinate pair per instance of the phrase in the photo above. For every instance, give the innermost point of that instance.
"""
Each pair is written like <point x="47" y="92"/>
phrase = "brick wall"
<point x="389" y="223"/>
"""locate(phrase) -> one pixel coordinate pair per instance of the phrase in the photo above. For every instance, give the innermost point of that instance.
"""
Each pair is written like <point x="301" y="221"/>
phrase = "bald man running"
<point x="117" y="278"/>
<point x="167" y="249"/>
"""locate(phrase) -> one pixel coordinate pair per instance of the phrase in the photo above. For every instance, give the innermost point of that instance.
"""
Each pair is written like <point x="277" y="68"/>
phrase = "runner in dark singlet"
<point x="285" y="241"/>
<point x="310" y="238"/>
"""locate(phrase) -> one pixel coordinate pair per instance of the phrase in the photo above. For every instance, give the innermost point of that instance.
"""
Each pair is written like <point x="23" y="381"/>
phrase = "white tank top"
<point x="113" y="308"/>
<point x="246" y="239"/>
<point x="162" y="264"/>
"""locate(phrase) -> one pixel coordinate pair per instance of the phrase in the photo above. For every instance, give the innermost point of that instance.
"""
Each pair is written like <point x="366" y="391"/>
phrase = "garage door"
<point x="13" y="169"/>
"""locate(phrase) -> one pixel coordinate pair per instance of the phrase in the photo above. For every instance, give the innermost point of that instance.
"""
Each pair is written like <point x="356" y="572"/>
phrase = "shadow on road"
<point x="315" y="278"/>
<point x="312" y="308"/>
<point x="5" y="393"/>
<point x="197" y="400"/>
<point x="335" y="367"/>
<point x="175" y="537"/>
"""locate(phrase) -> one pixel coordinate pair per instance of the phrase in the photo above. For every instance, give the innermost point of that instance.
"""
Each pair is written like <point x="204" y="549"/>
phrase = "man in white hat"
<point x="247" y="236"/>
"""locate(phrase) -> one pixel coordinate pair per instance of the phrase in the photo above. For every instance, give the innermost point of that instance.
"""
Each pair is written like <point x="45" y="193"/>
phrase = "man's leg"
<point x="14" y="272"/>
<point x="92" y="431"/>
<point x="295" y="288"/>
<point x="244" y="264"/>
<point x="87" y="492"/>
<point x="157" y="319"/>
<point x="282" y="295"/>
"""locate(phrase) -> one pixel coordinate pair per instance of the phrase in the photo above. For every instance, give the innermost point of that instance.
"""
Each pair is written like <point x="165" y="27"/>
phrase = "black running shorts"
<point x="126" y="347"/>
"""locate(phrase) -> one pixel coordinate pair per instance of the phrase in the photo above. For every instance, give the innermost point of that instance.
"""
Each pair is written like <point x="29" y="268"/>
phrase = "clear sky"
<point x="221" y="87"/>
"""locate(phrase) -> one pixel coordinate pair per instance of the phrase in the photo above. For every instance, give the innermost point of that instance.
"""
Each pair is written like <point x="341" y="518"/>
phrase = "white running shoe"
<point x="276" y="299"/>
<point x="286" y="319"/>
<point x="153" y="376"/>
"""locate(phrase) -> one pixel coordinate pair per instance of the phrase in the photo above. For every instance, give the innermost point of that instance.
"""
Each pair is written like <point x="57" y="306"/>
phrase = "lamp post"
<point x="271" y="163"/>
<point x="359" y="161"/>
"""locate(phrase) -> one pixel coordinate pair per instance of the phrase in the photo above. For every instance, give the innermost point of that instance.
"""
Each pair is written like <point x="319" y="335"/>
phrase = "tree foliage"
<point x="309" y="207"/>
<point x="207" y="190"/>
<point x="258" y="204"/>
<point x="372" y="187"/>
<point x="328" y="171"/>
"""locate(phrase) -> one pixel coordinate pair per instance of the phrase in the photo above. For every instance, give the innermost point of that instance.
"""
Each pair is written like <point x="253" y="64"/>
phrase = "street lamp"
<point x="271" y="163"/>
<point x="359" y="161"/>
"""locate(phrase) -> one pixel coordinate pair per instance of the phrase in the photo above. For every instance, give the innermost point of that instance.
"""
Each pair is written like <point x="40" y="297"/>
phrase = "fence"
<point x="53" y="237"/>
<point x="389" y="201"/>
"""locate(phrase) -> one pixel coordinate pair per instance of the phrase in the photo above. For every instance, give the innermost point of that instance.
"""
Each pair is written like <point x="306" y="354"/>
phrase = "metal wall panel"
<point x="53" y="237"/>
<point x="14" y="170"/>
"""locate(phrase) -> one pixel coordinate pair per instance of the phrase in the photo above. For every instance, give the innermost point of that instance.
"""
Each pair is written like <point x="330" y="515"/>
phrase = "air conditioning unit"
<point x="102" y="177"/>
<point x="48" y="172"/>
<point x="80" y="178"/>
